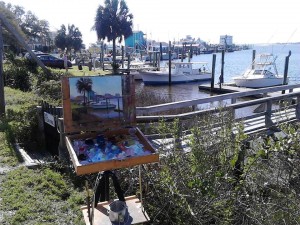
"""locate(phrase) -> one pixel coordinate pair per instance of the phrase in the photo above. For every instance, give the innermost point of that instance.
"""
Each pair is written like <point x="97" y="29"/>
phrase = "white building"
<point x="226" y="39"/>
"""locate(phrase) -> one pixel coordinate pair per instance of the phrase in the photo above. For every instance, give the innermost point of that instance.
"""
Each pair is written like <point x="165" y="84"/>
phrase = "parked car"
<point x="52" y="61"/>
<point x="28" y="56"/>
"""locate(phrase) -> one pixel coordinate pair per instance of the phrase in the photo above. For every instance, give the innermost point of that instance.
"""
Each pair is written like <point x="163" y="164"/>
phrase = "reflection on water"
<point x="175" y="92"/>
<point x="180" y="92"/>
<point x="189" y="91"/>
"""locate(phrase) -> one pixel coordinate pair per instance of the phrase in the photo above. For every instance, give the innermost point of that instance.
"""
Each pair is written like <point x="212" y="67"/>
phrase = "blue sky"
<point x="248" y="21"/>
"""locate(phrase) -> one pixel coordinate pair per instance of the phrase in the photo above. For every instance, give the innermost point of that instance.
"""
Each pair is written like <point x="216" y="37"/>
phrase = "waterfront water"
<point x="235" y="64"/>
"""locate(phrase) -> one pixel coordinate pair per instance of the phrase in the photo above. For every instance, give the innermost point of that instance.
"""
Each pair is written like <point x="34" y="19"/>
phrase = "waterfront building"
<point x="136" y="41"/>
<point x="226" y="39"/>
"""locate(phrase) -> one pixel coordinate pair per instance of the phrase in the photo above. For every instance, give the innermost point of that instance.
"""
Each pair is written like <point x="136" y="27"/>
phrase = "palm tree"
<point x="84" y="85"/>
<point x="113" y="21"/>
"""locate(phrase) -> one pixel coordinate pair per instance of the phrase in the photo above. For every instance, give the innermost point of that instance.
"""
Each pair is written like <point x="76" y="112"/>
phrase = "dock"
<point x="225" y="88"/>
<point x="231" y="88"/>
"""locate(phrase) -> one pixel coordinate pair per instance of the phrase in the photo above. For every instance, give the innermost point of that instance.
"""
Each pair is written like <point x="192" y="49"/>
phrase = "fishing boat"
<point x="263" y="73"/>
<point x="103" y="105"/>
<point x="181" y="72"/>
<point x="135" y="66"/>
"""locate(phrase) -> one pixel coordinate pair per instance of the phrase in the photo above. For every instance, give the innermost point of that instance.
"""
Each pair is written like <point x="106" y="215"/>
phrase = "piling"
<point x="286" y="69"/>
<point x="158" y="60"/>
<point x="150" y="57"/>
<point x="170" y="79"/>
<point x="253" y="59"/>
<point x="212" y="84"/>
<point x="102" y="56"/>
<point x="222" y="69"/>
<point x="122" y="49"/>
<point x="154" y="59"/>
<point x="182" y="52"/>
<point x="128" y="62"/>
<point x="160" y="50"/>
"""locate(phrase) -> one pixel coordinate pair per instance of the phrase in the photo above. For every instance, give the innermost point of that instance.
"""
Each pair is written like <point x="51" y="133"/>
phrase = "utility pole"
<point x="2" y="99"/>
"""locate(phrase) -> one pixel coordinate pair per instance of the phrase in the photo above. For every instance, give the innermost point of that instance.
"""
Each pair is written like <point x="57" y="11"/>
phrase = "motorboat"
<point x="135" y="66"/>
<point x="263" y="73"/>
<point x="181" y="72"/>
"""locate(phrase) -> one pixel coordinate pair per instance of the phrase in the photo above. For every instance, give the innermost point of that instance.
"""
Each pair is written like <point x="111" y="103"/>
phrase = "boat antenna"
<point x="285" y="45"/>
<point x="270" y="38"/>
<point x="289" y="39"/>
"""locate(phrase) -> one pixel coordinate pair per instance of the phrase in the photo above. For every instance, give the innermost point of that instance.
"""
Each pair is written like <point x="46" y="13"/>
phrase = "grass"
<point x="8" y="155"/>
<point x="74" y="71"/>
<point x="40" y="196"/>
<point x="16" y="99"/>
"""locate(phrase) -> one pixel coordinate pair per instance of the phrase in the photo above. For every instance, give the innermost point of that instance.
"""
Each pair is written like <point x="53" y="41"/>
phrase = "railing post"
<point x="41" y="127"/>
<point x="298" y="108"/>
<point x="178" y="137"/>
<point x="268" y="115"/>
<point x="233" y="100"/>
<point x="62" y="149"/>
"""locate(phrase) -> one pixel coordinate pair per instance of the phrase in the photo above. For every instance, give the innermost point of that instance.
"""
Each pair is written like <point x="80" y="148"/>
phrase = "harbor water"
<point x="235" y="63"/>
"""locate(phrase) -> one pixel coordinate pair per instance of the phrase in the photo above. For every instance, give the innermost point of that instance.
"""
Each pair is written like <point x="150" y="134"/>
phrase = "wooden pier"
<point x="266" y="114"/>
<point x="225" y="88"/>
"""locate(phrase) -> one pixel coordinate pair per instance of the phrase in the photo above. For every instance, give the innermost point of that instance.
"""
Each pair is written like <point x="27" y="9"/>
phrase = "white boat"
<point x="263" y="73"/>
<point x="181" y="72"/>
<point x="136" y="65"/>
<point x="103" y="105"/>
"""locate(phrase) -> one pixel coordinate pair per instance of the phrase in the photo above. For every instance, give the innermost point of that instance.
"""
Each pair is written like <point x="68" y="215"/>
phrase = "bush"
<point x="49" y="89"/>
<point x="42" y="76"/>
<point x="24" y="124"/>
<point x="17" y="74"/>
<point x="21" y="115"/>
<point x="221" y="180"/>
<point x="48" y="85"/>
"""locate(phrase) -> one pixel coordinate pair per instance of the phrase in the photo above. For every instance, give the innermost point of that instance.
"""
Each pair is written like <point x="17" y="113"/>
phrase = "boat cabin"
<point x="188" y="67"/>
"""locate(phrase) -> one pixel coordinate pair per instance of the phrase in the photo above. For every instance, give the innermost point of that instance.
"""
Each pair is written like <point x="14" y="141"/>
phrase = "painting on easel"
<point x="96" y="98"/>
<point x="93" y="102"/>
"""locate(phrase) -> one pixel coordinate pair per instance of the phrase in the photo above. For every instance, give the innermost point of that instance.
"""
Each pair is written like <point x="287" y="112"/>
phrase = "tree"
<point x="10" y="15"/>
<point x="69" y="38"/>
<point x="84" y="85"/>
<point x="60" y="39"/>
<point x="34" y="29"/>
<point x="75" y="38"/>
<point x="113" y="21"/>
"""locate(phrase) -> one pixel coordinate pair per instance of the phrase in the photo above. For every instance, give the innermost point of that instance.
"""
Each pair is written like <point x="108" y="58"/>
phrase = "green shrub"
<point x="41" y="76"/>
<point x="17" y="74"/>
<point x="21" y="115"/>
<point x="49" y="89"/>
<point x="24" y="124"/>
